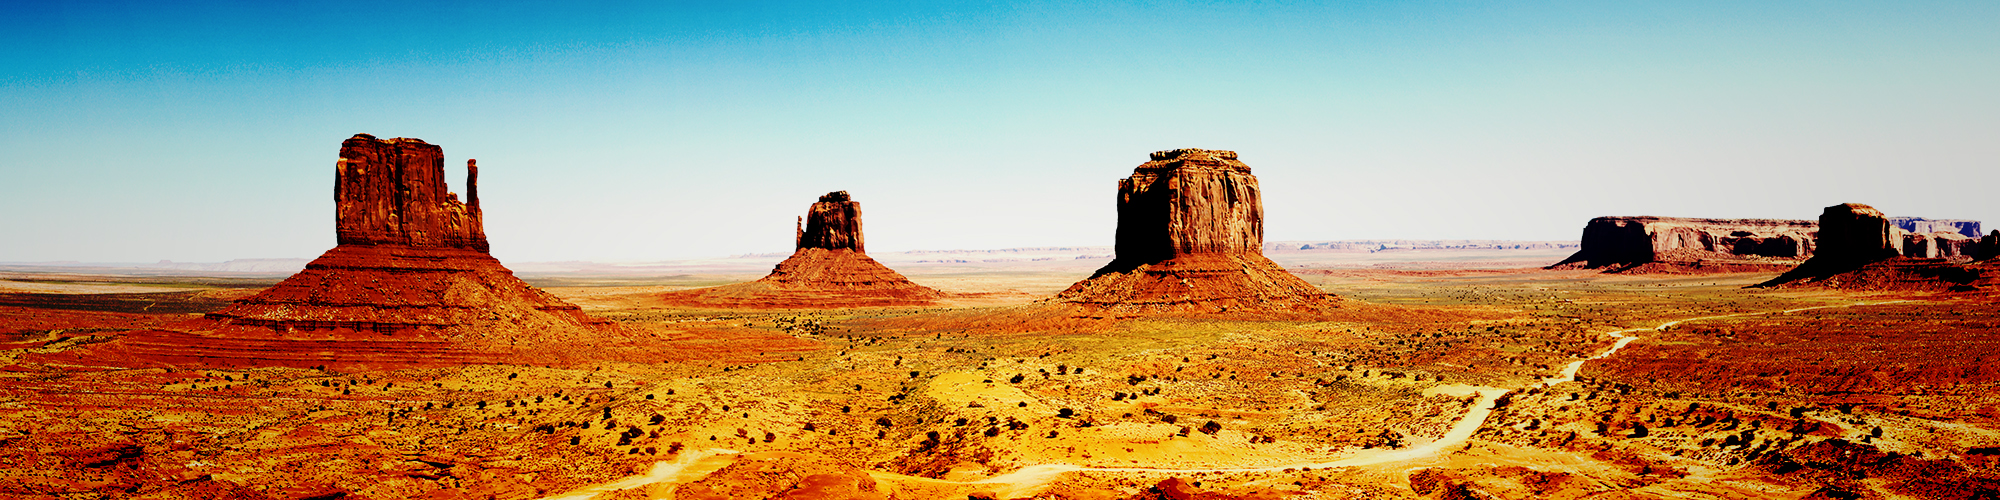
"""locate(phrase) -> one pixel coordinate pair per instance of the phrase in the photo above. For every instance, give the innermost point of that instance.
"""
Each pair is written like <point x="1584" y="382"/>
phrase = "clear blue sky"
<point x="139" y="131"/>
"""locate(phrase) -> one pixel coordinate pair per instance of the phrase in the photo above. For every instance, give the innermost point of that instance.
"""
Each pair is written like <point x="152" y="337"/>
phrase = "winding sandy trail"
<point x="1029" y="480"/>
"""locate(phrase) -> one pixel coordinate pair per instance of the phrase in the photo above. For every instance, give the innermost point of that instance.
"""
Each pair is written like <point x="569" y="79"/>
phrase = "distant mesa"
<point x="1859" y="248"/>
<point x="1684" y="245"/>
<point x="830" y="268"/>
<point x="409" y="283"/>
<point x="1190" y="238"/>
<point x="1680" y="244"/>
<point x="1920" y="225"/>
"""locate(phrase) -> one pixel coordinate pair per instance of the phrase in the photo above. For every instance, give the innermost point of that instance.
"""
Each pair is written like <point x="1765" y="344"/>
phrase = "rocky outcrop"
<point x="1858" y="248"/>
<point x="1938" y="245"/>
<point x="833" y="224"/>
<point x="1190" y="238"/>
<point x="393" y="192"/>
<point x="1989" y="246"/>
<point x="1625" y="244"/>
<point x="828" y="269"/>
<point x="410" y="283"/>
<point x="1920" y="225"/>
<point x="1853" y="234"/>
<point x="1189" y="201"/>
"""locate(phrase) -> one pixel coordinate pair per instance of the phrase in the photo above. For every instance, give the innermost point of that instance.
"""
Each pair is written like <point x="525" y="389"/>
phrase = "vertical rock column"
<point x="393" y="192"/>
<point x="834" y="223"/>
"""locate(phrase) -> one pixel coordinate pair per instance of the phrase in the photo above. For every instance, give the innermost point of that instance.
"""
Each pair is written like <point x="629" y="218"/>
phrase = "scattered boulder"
<point x="1190" y="238"/>
<point x="828" y="269"/>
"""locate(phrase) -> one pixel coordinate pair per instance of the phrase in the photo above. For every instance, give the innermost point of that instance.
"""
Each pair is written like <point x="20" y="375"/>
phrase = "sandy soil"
<point x="1437" y="383"/>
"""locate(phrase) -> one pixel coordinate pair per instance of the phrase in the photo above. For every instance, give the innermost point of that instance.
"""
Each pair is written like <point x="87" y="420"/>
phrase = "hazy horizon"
<point x="626" y="132"/>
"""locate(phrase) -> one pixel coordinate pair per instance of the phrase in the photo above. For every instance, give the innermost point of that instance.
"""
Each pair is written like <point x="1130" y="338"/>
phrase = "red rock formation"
<point x="1858" y="248"/>
<point x="409" y="283"/>
<point x="1852" y="234"/>
<point x="833" y="224"/>
<point x="393" y="192"/>
<point x="1938" y="245"/>
<point x="1962" y="227"/>
<point x="1989" y="246"/>
<point x="1190" y="239"/>
<point x="829" y="269"/>
<point x="1638" y="244"/>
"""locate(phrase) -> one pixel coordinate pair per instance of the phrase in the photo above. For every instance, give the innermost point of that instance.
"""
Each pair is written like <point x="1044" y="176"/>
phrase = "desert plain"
<point x="1444" y="374"/>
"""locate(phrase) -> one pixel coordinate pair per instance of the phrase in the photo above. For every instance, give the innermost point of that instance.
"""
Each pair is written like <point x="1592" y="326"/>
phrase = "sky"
<point x="641" y="131"/>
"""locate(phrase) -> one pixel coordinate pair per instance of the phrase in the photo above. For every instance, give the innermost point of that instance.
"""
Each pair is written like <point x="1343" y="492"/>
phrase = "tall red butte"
<point x="1190" y="239"/>
<point x="829" y="268"/>
<point x="410" y="283"/>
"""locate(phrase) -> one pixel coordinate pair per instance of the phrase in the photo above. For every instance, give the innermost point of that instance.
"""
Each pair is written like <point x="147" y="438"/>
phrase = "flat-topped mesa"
<point x="1919" y="225"/>
<point x="1190" y="241"/>
<point x="1188" y="201"/>
<point x="834" y="223"/>
<point x="393" y="192"/>
<point x="1687" y="244"/>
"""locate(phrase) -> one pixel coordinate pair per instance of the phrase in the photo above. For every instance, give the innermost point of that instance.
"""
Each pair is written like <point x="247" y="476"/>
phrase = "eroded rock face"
<point x="1190" y="239"/>
<point x="1920" y="225"/>
<point x="1853" y="234"/>
<point x="1858" y="248"/>
<point x="1938" y="245"/>
<point x="410" y="283"/>
<point x="833" y="224"/>
<point x="1989" y="246"/>
<point x="829" y="269"/>
<point x="393" y="192"/>
<point x="1620" y="243"/>
<point x="1189" y="201"/>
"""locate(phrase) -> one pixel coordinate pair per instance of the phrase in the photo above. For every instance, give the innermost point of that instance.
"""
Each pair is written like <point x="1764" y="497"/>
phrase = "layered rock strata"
<point x="393" y="192"/>
<point x="1190" y="238"/>
<point x="829" y="268"/>
<point x="1961" y="227"/>
<point x="1619" y="244"/>
<point x="410" y="282"/>
<point x="1859" y="248"/>
<point x="1938" y="245"/>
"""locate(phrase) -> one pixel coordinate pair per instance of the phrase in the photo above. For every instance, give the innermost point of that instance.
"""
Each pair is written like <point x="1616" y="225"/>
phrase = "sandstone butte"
<point x="409" y="283"/>
<point x="1190" y="238"/>
<point x="829" y="268"/>
<point x="1679" y="244"/>
<point x="1859" y="248"/>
